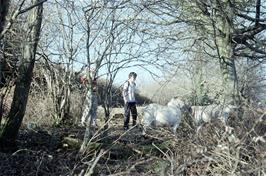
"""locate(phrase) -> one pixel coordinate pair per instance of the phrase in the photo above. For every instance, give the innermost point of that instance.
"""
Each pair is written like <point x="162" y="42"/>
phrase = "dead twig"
<point x="132" y="167"/>
<point x="102" y="152"/>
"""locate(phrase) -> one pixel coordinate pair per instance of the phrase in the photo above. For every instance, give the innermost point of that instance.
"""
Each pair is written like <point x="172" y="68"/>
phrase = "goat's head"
<point x="176" y="102"/>
<point x="181" y="104"/>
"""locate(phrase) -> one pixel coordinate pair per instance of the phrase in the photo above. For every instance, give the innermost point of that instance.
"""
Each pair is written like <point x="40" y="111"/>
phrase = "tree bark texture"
<point x="4" y="4"/>
<point x="224" y="24"/>
<point x="10" y="128"/>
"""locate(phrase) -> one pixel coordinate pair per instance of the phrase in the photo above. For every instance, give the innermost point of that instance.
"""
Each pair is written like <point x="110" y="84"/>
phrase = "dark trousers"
<point x="130" y="107"/>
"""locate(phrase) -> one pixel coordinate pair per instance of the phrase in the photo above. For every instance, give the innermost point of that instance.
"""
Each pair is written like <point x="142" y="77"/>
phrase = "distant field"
<point x="114" y="111"/>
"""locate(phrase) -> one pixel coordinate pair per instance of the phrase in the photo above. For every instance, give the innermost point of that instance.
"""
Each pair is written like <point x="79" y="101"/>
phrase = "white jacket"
<point x="129" y="90"/>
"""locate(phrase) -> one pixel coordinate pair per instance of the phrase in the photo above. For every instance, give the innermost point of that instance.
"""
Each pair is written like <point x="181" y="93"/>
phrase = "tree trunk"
<point x="9" y="131"/>
<point x="59" y="86"/>
<point x="226" y="54"/>
<point x="198" y="79"/>
<point x="89" y="103"/>
<point x="4" y="5"/>
<point x="106" y="108"/>
<point x="64" y="110"/>
<point x="107" y="104"/>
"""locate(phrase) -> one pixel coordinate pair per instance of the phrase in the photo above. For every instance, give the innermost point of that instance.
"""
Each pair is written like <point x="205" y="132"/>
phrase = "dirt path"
<point x="47" y="151"/>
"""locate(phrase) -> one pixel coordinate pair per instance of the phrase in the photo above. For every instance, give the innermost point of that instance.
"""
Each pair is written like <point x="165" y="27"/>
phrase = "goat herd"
<point x="155" y="115"/>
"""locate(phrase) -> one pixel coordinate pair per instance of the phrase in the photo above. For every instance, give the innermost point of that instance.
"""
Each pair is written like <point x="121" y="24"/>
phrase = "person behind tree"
<point x="128" y="92"/>
<point x="88" y="78"/>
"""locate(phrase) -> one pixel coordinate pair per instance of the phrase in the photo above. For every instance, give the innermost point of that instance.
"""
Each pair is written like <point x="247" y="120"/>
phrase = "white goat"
<point x="158" y="115"/>
<point x="201" y="114"/>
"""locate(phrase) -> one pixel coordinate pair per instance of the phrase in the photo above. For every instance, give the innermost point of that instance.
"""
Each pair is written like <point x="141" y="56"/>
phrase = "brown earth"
<point x="213" y="151"/>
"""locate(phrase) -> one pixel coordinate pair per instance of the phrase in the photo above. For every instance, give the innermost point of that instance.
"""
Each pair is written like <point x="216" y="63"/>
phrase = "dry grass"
<point x="213" y="151"/>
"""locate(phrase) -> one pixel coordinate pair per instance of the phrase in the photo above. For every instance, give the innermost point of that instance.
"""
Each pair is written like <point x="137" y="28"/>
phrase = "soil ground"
<point x="211" y="151"/>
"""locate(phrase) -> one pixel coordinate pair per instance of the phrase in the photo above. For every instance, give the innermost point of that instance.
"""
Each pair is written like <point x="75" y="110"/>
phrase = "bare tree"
<point x="14" y="119"/>
<point x="61" y="47"/>
<point x="18" y="11"/>
<point x="228" y="27"/>
<point x="232" y="38"/>
<point x="4" y="5"/>
<point x="109" y="49"/>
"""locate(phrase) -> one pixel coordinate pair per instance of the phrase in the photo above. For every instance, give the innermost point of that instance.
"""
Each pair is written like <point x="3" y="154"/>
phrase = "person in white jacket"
<point x="129" y="90"/>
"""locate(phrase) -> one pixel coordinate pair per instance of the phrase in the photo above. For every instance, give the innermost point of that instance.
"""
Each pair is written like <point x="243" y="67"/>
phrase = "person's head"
<point x="132" y="76"/>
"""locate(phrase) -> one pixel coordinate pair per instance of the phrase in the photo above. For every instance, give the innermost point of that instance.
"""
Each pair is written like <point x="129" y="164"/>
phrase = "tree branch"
<point x="257" y="12"/>
<point x="16" y="13"/>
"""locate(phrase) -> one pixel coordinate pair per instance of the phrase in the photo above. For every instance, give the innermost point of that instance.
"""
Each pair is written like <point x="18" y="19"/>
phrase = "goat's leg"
<point x="144" y="129"/>
<point x="175" y="128"/>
